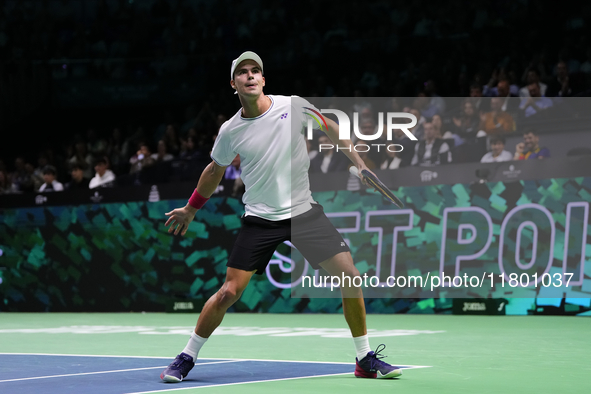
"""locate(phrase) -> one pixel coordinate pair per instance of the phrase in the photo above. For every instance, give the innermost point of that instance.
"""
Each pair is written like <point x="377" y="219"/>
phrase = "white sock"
<point x="361" y="346"/>
<point x="194" y="345"/>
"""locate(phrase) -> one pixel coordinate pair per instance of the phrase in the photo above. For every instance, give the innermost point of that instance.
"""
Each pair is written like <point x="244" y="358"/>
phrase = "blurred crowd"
<point x="500" y="59"/>
<point x="474" y="130"/>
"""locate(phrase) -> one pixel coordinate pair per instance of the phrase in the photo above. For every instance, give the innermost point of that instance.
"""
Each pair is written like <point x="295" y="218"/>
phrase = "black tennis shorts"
<point x="314" y="236"/>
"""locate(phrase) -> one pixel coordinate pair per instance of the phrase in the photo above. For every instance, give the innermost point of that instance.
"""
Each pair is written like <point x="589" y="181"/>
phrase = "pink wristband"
<point x="197" y="200"/>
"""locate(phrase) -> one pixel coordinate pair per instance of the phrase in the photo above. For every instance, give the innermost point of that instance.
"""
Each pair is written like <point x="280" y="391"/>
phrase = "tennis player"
<point x="268" y="134"/>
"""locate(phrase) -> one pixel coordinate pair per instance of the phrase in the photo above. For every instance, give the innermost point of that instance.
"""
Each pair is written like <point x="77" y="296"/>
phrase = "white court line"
<point x="99" y="372"/>
<point x="205" y="358"/>
<point x="232" y="384"/>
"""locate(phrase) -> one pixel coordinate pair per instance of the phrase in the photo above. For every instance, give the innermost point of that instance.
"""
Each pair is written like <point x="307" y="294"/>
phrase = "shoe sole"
<point x="170" y="379"/>
<point x="392" y="374"/>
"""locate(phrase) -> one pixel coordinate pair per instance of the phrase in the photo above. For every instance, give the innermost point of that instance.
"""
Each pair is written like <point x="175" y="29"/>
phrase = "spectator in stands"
<point x="436" y="101"/>
<point x="424" y="104"/>
<point x="22" y="177"/>
<point x="104" y="177"/>
<point x="392" y="160"/>
<point x="535" y="103"/>
<point x="510" y="101"/>
<point x="479" y="104"/>
<point x="161" y="153"/>
<point x="191" y="152"/>
<point x="533" y="76"/>
<point x="171" y="138"/>
<point x="562" y="85"/>
<point x="496" y="121"/>
<point x="51" y="184"/>
<point x="78" y="181"/>
<point x="489" y="90"/>
<point x="42" y="162"/>
<point x="82" y="157"/>
<point x="6" y="186"/>
<point x="233" y="171"/>
<point x="497" y="151"/>
<point x="417" y="130"/>
<point x="328" y="159"/>
<point x="530" y="147"/>
<point x="508" y="87"/>
<point x="437" y="125"/>
<point x="134" y="140"/>
<point x="431" y="150"/>
<point x="408" y="145"/>
<point x="467" y="125"/>
<point x="142" y="158"/>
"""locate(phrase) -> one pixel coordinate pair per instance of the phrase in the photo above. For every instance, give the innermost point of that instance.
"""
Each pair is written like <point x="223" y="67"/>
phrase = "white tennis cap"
<point x="248" y="55"/>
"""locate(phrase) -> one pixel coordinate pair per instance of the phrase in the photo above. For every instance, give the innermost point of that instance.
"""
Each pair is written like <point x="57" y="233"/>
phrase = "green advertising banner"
<point x="119" y="256"/>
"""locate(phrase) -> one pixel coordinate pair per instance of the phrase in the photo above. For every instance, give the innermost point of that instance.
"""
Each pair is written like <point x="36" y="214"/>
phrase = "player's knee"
<point x="229" y="294"/>
<point x="351" y="271"/>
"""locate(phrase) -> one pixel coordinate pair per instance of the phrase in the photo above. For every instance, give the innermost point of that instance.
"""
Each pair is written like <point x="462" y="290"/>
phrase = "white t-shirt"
<point x="98" y="180"/>
<point x="273" y="158"/>
<point x="55" y="187"/>
<point x="504" y="156"/>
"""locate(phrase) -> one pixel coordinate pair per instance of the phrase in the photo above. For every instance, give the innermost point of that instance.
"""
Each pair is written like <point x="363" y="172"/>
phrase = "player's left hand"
<point x="179" y="219"/>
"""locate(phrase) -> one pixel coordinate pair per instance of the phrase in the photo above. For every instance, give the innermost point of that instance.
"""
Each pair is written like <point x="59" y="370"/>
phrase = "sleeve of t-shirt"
<point x="304" y="110"/>
<point x="222" y="153"/>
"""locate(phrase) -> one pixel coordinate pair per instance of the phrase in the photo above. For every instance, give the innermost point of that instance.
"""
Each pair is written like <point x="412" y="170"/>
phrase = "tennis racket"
<point x="377" y="185"/>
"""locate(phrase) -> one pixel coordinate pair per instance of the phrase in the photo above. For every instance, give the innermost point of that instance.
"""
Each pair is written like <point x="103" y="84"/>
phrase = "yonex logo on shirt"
<point x="284" y="116"/>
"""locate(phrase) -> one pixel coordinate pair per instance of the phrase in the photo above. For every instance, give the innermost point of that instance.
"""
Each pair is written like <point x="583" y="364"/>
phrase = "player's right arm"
<point x="180" y="218"/>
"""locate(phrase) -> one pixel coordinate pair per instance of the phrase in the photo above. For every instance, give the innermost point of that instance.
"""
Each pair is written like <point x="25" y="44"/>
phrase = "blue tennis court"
<point x="65" y="374"/>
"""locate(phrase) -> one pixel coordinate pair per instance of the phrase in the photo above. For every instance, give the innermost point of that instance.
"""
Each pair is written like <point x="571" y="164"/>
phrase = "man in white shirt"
<point x="103" y="177"/>
<point x="49" y="177"/>
<point x="432" y="150"/>
<point x="268" y="134"/>
<point x="533" y="77"/>
<point x="497" y="151"/>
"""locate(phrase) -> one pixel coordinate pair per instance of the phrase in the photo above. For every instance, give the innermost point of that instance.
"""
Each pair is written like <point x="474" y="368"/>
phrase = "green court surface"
<point x="462" y="354"/>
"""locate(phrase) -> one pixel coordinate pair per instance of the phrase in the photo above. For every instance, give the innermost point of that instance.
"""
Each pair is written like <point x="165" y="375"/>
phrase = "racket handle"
<point x="355" y="171"/>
